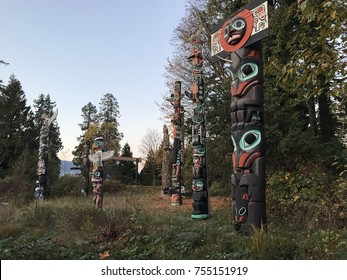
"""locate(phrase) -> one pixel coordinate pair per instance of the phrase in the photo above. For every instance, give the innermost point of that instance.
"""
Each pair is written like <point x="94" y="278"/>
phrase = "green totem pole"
<point x="41" y="190"/>
<point x="197" y="95"/>
<point x="239" y="38"/>
<point x="98" y="157"/>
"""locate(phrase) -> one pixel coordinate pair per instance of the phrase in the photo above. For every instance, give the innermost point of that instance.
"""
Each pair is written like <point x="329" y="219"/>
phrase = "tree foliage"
<point x="304" y="93"/>
<point x="102" y="122"/>
<point x="126" y="170"/>
<point x="149" y="147"/>
<point x="16" y="126"/>
<point x="19" y="140"/>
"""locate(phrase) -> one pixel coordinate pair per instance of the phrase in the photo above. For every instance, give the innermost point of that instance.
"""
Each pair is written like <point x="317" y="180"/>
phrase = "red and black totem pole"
<point x="98" y="157"/>
<point x="197" y="95"/>
<point x="41" y="189"/>
<point x="239" y="39"/>
<point x="177" y="181"/>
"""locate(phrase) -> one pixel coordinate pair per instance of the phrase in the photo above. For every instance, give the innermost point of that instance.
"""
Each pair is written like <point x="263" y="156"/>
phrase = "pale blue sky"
<point x="77" y="51"/>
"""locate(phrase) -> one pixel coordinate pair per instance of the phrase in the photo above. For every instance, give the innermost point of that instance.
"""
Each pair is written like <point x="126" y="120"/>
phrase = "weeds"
<point x="139" y="223"/>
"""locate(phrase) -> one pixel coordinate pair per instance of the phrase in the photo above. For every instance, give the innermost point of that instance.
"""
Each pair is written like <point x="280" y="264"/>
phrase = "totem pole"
<point x="197" y="95"/>
<point x="41" y="190"/>
<point x="85" y="171"/>
<point x="97" y="157"/>
<point x="177" y="166"/>
<point x="166" y="167"/>
<point x="239" y="37"/>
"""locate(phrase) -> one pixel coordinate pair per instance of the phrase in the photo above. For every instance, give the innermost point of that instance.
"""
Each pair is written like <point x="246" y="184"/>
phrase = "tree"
<point x="108" y="119"/>
<point x="201" y="16"/>
<point x="304" y="83"/>
<point x="126" y="169"/>
<point x="89" y="118"/>
<point x="100" y="123"/>
<point x="149" y="148"/>
<point x="16" y="126"/>
<point x="44" y="105"/>
<point x="89" y="115"/>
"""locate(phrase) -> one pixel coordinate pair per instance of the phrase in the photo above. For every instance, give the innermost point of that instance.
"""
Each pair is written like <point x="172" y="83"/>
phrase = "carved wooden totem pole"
<point x="239" y="38"/>
<point x="177" y="166"/>
<point x="41" y="190"/>
<point x="197" y="95"/>
<point x="97" y="157"/>
<point x="85" y="171"/>
<point x="167" y="166"/>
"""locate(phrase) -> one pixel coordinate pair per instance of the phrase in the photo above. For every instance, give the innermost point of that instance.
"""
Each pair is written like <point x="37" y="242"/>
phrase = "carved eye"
<point x="199" y="151"/>
<point x="247" y="71"/>
<point x="242" y="211"/>
<point x="238" y="24"/>
<point x="250" y="139"/>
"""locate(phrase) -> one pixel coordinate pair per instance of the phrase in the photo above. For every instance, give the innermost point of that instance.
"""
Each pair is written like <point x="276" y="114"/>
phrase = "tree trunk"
<point x="325" y="117"/>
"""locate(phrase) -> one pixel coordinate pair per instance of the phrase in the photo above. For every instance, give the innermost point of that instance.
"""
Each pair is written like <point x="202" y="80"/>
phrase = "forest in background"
<point x="305" y="119"/>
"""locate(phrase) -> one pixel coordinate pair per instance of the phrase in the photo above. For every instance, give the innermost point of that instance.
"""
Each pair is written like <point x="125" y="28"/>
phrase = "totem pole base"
<point x="200" y="216"/>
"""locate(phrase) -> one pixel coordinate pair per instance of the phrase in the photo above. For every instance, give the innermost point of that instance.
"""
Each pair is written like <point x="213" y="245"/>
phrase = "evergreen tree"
<point x="89" y="118"/>
<point x="16" y="126"/>
<point x="126" y="169"/>
<point x="100" y="123"/>
<point x="89" y="115"/>
<point x="108" y="120"/>
<point x="304" y="82"/>
<point x="44" y="105"/>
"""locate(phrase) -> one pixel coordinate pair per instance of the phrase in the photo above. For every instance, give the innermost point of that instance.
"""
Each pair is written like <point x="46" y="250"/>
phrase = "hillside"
<point x="65" y="168"/>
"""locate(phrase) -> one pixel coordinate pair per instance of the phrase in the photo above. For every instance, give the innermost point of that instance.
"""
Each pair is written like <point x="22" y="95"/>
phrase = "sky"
<point x="76" y="51"/>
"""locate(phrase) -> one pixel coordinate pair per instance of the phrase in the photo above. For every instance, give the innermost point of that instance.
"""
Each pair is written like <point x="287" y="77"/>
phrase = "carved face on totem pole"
<point x="236" y="31"/>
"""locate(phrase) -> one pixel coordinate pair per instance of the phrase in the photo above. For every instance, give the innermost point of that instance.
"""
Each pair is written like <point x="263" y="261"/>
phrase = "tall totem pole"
<point x="239" y="37"/>
<point x="85" y="171"/>
<point x="41" y="190"/>
<point x="197" y="95"/>
<point x="166" y="166"/>
<point x="98" y="157"/>
<point x="177" y="166"/>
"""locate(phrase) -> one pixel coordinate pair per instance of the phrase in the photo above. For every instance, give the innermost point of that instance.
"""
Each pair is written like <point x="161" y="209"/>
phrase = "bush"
<point x="67" y="185"/>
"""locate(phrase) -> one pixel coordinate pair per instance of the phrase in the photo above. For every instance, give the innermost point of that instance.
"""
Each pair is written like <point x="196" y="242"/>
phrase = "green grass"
<point x="140" y="223"/>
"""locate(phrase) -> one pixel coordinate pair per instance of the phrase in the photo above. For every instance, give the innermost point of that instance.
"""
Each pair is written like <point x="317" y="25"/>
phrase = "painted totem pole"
<point x="177" y="166"/>
<point x="41" y="190"/>
<point x="85" y="171"/>
<point x="97" y="157"/>
<point x="166" y="167"/>
<point x="239" y="37"/>
<point x="197" y="95"/>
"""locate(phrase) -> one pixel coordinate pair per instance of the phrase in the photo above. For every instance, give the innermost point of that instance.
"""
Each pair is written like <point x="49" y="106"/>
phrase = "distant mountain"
<point x="65" y="168"/>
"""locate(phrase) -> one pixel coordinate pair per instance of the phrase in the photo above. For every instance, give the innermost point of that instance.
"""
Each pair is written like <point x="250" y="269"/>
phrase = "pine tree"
<point x="108" y="120"/>
<point x="16" y="126"/>
<point x="89" y="122"/>
<point x="126" y="169"/>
